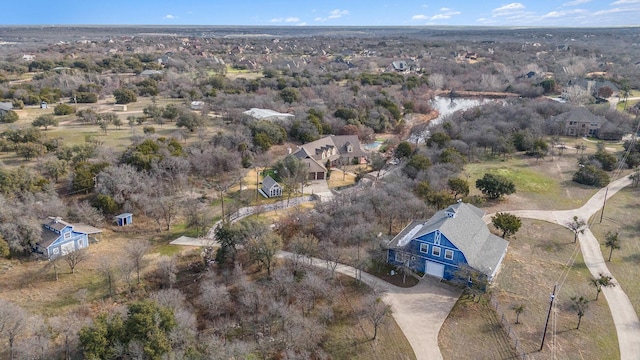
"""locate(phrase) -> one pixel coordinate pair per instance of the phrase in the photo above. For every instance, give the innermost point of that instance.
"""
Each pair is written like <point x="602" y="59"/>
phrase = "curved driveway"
<point x="420" y="310"/>
<point x="624" y="316"/>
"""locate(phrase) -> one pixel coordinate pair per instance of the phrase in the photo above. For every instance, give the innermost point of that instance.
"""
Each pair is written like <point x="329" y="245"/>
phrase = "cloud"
<point x="576" y="2"/>
<point x="440" y="17"/>
<point x="333" y="14"/>
<point x="419" y="17"/>
<point x="446" y="14"/>
<point x="610" y="11"/>
<point x="508" y="9"/>
<point x="169" y="16"/>
<point x="559" y="14"/>
<point x="337" y="13"/>
<point x="286" y="20"/>
<point x="622" y="2"/>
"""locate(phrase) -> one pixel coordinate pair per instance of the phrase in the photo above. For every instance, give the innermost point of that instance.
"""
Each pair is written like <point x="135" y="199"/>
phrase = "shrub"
<point x="86" y="98"/>
<point x="591" y="175"/>
<point x="9" y="116"/>
<point x="149" y="130"/>
<point x="124" y="96"/>
<point x="63" y="109"/>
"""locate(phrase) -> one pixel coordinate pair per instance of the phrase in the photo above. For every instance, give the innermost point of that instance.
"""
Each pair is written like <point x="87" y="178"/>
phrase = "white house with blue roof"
<point x="452" y="238"/>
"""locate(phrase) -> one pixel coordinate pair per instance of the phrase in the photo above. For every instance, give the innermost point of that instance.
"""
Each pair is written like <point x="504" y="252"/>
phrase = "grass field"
<point x="543" y="185"/>
<point x="536" y="260"/>
<point x="621" y="215"/>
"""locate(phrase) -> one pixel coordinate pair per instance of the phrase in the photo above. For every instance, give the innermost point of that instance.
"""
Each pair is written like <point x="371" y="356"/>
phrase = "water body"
<point x="445" y="107"/>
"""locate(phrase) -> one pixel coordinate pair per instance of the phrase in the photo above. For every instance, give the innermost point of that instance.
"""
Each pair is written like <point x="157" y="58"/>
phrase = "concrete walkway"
<point x="420" y="310"/>
<point x="624" y="315"/>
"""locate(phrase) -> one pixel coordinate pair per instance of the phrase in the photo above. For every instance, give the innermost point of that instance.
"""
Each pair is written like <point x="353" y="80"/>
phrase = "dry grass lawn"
<point x="621" y="215"/>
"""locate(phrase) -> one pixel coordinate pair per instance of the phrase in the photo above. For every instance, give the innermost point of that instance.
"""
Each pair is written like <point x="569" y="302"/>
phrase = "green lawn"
<point x="542" y="184"/>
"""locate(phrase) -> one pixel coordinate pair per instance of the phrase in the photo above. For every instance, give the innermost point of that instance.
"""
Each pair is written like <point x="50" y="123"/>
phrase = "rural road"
<point x="420" y="310"/>
<point x="624" y="315"/>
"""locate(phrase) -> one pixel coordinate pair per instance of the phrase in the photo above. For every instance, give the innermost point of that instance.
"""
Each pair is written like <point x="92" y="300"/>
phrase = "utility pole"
<point x="546" y="323"/>
<point x="604" y="203"/>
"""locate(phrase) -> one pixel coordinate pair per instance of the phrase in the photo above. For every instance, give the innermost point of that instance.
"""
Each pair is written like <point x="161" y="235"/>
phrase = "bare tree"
<point x="376" y="312"/>
<point x="136" y="250"/>
<point x="54" y="265"/>
<point x="168" y="269"/>
<point x="579" y="305"/>
<point x="577" y="225"/>
<point x="600" y="282"/>
<point x="67" y="327"/>
<point x="106" y="268"/>
<point x="263" y="248"/>
<point x="331" y="255"/>
<point x="13" y="321"/>
<point x="74" y="258"/>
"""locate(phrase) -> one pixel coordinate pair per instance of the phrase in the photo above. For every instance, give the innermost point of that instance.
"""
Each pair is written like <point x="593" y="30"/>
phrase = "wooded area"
<point x="178" y="157"/>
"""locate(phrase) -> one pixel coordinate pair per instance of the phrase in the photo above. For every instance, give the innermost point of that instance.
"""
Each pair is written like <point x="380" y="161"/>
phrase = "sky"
<point x="563" y="13"/>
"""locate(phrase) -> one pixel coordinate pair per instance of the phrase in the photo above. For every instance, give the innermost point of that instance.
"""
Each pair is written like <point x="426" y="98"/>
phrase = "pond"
<point x="445" y="107"/>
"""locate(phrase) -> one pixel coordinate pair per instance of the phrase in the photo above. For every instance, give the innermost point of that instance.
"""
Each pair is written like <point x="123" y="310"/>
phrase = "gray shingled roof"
<point x="340" y="142"/>
<point x="467" y="231"/>
<point x="268" y="182"/>
<point x="579" y="114"/>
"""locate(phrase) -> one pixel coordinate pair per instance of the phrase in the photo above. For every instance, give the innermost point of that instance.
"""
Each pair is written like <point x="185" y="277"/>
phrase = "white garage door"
<point x="435" y="269"/>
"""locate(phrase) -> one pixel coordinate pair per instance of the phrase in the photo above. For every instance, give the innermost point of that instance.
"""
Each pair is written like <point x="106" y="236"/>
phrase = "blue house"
<point x="60" y="238"/>
<point x="452" y="238"/>
<point x="124" y="219"/>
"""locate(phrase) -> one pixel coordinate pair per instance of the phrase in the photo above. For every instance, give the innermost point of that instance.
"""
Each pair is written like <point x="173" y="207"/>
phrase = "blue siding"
<point x="80" y="241"/>
<point x="427" y="242"/>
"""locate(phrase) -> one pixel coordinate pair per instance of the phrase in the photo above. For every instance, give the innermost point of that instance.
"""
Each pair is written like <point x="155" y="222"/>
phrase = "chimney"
<point x="289" y="151"/>
<point x="57" y="219"/>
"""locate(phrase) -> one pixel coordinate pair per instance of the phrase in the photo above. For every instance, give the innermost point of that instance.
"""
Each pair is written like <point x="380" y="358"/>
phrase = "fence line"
<point x="504" y="322"/>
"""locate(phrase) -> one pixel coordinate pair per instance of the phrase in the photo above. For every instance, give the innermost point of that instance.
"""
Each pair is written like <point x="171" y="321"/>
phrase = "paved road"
<point x="420" y="310"/>
<point x="624" y="315"/>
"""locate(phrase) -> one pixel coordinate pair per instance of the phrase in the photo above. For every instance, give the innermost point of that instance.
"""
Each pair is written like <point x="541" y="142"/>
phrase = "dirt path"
<point x="420" y="311"/>
<point x="624" y="315"/>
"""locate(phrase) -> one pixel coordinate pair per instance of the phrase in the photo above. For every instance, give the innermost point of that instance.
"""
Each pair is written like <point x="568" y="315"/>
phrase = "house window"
<point x="424" y="248"/>
<point x="350" y="148"/>
<point x="448" y="254"/>
<point x="56" y="251"/>
<point x="435" y="251"/>
<point x="67" y="235"/>
<point x="400" y="256"/>
<point x="436" y="239"/>
<point x="573" y="122"/>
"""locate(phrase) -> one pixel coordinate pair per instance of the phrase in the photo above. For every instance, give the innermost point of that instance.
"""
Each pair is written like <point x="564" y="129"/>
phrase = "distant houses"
<point x="267" y="114"/>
